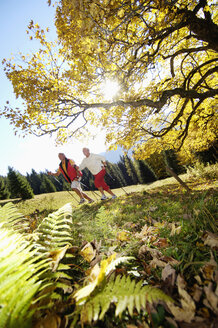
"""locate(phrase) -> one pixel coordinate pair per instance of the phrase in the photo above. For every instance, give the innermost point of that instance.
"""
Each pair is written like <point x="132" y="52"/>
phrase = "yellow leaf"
<point x="56" y="256"/>
<point x="97" y="275"/>
<point x="88" y="252"/>
<point x="123" y="235"/>
<point x="175" y="230"/>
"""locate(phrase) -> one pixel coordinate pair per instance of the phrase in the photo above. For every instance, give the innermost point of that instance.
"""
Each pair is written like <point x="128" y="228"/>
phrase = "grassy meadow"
<point x="46" y="203"/>
<point x="171" y="233"/>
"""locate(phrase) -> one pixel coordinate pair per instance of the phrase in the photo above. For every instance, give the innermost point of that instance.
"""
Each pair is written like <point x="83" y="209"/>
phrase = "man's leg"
<point x="101" y="184"/>
<point x="111" y="193"/>
<point x="87" y="197"/>
<point x="76" y="186"/>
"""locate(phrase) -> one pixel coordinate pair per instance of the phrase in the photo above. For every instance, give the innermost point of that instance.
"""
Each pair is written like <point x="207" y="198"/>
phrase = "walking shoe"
<point x="113" y="197"/>
<point x="91" y="201"/>
<point x="103" y="197"/>
<point x="82" y="200"/>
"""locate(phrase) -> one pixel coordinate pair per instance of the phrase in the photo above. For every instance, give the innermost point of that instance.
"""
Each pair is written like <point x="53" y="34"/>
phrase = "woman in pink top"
<point x="96" y="165"/>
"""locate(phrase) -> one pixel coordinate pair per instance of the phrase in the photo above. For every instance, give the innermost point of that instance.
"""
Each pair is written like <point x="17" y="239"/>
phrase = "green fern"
<point x="20" y="270"/>
<point x="12" y="219"/>
<point x="52" y="238"/>
<point x="30" y="268"/>
<point x="124" y="293"/>
<point x="55" y="231"/>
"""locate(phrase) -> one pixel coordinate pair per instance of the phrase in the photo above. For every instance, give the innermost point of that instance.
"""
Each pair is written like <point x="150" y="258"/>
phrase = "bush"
<point x="200" y="170"/>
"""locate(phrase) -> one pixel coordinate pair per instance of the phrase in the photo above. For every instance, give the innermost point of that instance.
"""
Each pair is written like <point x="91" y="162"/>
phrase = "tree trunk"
<point x="171" y="172"/>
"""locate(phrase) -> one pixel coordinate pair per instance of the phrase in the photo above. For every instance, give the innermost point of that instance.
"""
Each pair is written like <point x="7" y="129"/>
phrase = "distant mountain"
<point x="113" y="156"/>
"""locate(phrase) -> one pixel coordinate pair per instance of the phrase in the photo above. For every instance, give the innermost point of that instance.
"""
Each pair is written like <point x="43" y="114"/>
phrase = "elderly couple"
<point x="72" y="173"/>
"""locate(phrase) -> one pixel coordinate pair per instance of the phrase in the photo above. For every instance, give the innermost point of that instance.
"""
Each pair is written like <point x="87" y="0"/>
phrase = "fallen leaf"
<point x="153" y="208"/>
<point x="197" y="292"/>
<point x="96" y="260"/>
<point x="97" y="274"/>
<point x="175" y="230"/>
<point x="212" y="299"/>
<point x="198" y="279"/>
<point x="145" y="250"/>
<point x="169" y="259"/>
<point x="210" y="239"/>
<point x="146" y="230"/>
<point x="88" y="252"/>
<point x="56" y="256"/>
<point x="79" y="223"/>
<point x="172" y="322"/>
<point x="209" y="270"/>
<point x="169" y="274"/>
<point x="52" y="320"/>
<point x="161" y="242"/>
<point x="186" y="312"/>
<point x="123" y="235"/>
<point x="157" y="263"/>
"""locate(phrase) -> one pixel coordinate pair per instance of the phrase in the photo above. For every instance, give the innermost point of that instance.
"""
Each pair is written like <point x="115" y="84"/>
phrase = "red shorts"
<point x="99" y="180"/>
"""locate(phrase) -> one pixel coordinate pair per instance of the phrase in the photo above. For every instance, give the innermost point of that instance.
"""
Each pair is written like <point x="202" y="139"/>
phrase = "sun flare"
<point x="110" y="89"/>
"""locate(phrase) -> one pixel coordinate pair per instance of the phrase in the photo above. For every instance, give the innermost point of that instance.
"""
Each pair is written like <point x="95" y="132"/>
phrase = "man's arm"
<point x="102" y="159"/>
<point x="82" y="166"/>
<point x="56" y="174"/>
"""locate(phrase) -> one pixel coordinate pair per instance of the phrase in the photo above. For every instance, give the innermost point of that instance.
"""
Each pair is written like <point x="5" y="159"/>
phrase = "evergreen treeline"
<point x="124" y="173"/>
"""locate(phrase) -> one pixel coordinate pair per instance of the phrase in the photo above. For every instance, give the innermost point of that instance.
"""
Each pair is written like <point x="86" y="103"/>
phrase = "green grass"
<point x="145" y="217"/>
<point x="45" y="203"/>
<point x="161" y="202"/>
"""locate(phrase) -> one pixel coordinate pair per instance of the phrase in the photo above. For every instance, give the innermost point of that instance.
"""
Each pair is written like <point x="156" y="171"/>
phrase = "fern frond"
<point x="116" y="262"/>
<point x="18" y="263"/>
<point x="124" y="293"/>
<point x="55" y="231"/>
<point x="11" y="218"/>
<point x="27" y="283"/>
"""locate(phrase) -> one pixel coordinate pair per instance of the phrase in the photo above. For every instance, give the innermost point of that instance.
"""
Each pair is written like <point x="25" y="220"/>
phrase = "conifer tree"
<point x="122" y="167"/>
<point x="88" y="180"/>
<point x="157" y="163"/>
<point x="111" y="177"/>
<point x="64" y="183"/>
<point x="114" y="177"/>
<point x="46" y="185"/>
<point x="56" y="181"/>
<point x="144" y="172"/>
<point x="18" y="185"/>
<point x="131" y="169"/>
<point x="120" y="175"/>
<point x="35" y="182"/>
<point x="4" y="192"/>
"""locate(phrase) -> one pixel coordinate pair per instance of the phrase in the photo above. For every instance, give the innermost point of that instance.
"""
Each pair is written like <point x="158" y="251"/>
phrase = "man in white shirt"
<point x="96" y="165"/>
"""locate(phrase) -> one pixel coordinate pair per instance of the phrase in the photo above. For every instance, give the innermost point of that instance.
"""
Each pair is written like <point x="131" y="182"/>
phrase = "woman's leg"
<point x="76" y="186"/>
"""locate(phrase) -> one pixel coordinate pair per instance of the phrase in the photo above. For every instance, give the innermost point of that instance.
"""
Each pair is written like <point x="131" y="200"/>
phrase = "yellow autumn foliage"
<point x="160" y="53"/>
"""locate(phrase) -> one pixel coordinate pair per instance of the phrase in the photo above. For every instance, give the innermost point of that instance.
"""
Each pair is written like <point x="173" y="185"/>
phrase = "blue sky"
<point x="31" y="152"/>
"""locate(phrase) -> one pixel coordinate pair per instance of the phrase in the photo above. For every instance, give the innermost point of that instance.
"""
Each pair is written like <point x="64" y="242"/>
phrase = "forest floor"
<point x="171" y="233"/>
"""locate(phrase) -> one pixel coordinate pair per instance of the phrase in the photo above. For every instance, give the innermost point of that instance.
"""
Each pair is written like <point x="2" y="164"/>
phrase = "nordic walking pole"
<point x="115" y="180"/>
<point x="67" y="190"/>
<point x="90" y="190"/>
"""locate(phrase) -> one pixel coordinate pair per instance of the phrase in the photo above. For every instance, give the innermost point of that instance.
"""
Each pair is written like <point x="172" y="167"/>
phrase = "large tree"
<point x="163" y="54"/>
